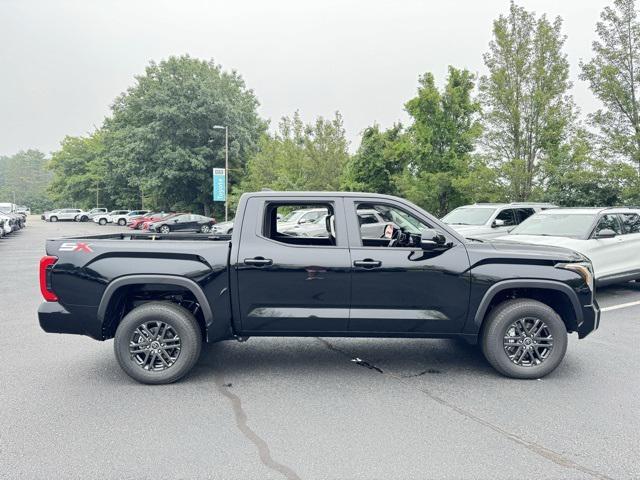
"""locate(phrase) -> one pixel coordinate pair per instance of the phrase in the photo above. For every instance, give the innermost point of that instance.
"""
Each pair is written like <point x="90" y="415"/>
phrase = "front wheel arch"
<point x="559" y="296"/>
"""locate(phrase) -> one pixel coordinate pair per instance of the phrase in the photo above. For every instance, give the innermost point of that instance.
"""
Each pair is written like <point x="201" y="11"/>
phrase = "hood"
<point x="509" y="249"/>
<point x="471" y="230"/>
<point x="566" y="242"/>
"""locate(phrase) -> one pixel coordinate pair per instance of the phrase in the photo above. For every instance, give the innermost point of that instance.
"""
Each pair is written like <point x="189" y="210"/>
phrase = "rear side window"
<point x="300" y="224"/>
<point x="630" y="222"/>
<point x="523" y="213"/>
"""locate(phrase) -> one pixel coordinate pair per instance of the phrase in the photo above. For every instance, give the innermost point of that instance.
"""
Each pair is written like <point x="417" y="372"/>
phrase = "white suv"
<point x="104" y="218"/>
<point x="62" y="214"/>
<point x="490" y="220"/>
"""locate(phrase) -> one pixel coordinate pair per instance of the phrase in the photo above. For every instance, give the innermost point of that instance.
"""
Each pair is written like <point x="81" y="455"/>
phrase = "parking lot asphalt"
<point x="287" y="408"/>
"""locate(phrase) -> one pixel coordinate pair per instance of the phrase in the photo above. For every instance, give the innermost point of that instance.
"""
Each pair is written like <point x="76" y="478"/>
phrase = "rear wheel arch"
<point x="560" y="297"/>
<point x="126" y="293"/>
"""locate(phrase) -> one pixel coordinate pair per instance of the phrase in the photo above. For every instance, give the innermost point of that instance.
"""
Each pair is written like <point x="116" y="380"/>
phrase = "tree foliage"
<point x="24" y="179"/>
<point x="526" y="105"/>
<point x="379" y="159"/>
<point x="442" y="137"/>
<point x="614" y="79"/>
<point x="299" y="156"/>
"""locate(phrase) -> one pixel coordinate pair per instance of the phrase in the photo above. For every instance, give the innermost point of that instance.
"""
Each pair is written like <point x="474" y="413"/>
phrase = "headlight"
<point x="585" y="270"/>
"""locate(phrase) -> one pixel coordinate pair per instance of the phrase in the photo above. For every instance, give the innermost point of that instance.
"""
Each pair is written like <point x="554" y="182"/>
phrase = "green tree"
<point x="299" y="156"/>
<point x="79" y="168"/>
<point x="612" y="74"/>
<point x="442" y="138"/>
<point x="24" y="178"/>
<point x="161" y="140"/>
<point x="526" y="105"/>
<point x="578" y="176"/>
<point x="379" y="159"/>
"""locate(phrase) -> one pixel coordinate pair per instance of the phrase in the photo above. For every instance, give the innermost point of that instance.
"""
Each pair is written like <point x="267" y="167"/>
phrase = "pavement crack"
<point x="242" y="423"/>
<point x="540" y="450"/>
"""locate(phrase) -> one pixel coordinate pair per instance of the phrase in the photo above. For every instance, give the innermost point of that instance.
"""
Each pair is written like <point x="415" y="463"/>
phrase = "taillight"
<point x="46" y="264"/>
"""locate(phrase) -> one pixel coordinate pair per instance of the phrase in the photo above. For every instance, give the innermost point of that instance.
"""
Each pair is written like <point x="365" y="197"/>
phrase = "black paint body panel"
<point x="309" y="290"/>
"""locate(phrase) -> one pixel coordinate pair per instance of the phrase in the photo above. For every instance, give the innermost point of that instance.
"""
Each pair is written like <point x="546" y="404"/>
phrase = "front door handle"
<point x="367" y="263"/>
<point x="258" y="261"/>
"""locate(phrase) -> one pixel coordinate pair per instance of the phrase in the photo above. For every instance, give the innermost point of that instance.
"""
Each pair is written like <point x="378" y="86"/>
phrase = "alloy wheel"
<point x="155" y="346"/>
<point x="528" y="342"/>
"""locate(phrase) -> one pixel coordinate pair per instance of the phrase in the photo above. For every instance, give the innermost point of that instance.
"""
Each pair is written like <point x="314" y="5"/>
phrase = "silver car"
<point x="490" y="220"/>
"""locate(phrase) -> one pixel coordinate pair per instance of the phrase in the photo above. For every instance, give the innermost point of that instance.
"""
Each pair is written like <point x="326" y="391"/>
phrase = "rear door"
<point x="289" y="284"/>
<point x="629" y="243"/>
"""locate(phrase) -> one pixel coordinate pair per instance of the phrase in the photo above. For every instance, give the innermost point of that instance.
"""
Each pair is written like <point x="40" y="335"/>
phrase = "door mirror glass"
<point x="606" y="233"/>
<point x="302" y="220"/>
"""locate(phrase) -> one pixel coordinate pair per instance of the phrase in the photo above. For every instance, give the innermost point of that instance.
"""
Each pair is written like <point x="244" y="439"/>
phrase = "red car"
<point x="138" y="223"/>
<point x="166" y="216"/>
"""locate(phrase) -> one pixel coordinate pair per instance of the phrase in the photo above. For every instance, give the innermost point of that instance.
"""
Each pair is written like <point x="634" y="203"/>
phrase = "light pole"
<point x="226" y="169"/>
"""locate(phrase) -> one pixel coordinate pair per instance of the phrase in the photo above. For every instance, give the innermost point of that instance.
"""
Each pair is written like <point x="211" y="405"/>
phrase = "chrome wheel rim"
<point x="204" y="229"/>
<point x="155" y="346"/>
<point x="164" y="229"/>
<point x="528" y="342"/>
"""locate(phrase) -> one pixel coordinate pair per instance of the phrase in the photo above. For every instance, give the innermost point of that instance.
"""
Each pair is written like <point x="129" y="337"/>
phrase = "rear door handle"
<point x="258" y="261"/>
<point x="367" y="263"/>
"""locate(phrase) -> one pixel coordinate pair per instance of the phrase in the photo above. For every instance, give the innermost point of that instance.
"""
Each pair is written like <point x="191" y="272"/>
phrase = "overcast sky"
<point x="63" y="62"/>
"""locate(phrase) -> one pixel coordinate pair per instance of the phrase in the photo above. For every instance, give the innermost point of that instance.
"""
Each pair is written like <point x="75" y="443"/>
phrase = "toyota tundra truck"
<point x="160" y="296"/>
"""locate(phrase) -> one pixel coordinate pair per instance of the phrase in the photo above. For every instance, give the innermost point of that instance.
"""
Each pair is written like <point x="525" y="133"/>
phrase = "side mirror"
<point x="606" y="233"/>
<point x="301" y="221"/>
<point x="431" y="238"/>
<point x="497" y="223"/>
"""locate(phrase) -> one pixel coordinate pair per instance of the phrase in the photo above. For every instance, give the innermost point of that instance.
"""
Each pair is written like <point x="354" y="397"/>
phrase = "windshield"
<point x="469" y="216"/>
<point x="556" y="224"/>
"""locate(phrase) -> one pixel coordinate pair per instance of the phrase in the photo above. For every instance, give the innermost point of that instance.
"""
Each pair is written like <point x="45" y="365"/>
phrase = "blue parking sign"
<point x="219" y="185"/>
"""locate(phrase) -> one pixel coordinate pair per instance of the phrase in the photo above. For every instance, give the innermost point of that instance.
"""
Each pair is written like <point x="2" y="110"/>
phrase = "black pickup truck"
<point x="160" y="296"/>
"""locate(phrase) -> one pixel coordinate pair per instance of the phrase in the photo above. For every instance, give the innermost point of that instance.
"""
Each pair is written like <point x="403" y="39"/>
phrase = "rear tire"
<point x="524" y="338"/>
<point x="205" y="229"/>
<point x="122" y="222"/>
<point x="136" y="352"/>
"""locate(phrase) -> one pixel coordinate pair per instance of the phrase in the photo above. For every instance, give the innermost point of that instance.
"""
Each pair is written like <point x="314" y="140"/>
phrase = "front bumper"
<point x="590" y="319"/>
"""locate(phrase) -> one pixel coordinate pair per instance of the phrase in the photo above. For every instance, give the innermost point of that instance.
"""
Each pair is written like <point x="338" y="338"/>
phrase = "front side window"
<point x="609" y="222"/>
<point x="507" y="217"/>
<point x="388" y="220"/>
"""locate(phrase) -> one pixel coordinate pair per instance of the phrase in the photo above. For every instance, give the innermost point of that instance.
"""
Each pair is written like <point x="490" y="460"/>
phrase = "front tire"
<point x="53" y="219"/>
<point x="158" y="343"/>
<point x="524" y="338"/>
<point x="205" y="229"/>
<point x="84" y="218"/>
<point x="122" y="222"/>
<point x="102" y="221"/>
<point x="165" y="229"/>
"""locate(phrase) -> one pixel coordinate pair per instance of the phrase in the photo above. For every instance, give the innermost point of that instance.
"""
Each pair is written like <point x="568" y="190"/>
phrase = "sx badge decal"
<point x="75" y="247"/>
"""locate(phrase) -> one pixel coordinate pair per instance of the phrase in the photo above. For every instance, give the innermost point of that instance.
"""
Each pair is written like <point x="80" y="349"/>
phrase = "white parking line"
<point x="622" y="305"/>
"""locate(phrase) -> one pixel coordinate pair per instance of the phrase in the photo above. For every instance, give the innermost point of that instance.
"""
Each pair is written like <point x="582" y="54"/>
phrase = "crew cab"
<point x="161" y="295"/>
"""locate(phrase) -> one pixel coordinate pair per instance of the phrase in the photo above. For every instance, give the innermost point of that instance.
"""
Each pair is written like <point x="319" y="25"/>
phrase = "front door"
<point x="289" y="282"/>
<point x="405" y="290"/>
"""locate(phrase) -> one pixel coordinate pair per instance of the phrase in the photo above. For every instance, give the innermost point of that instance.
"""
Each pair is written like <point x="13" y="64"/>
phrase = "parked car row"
<point x="161" y="222"/>
<point x="12" y="218"/>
